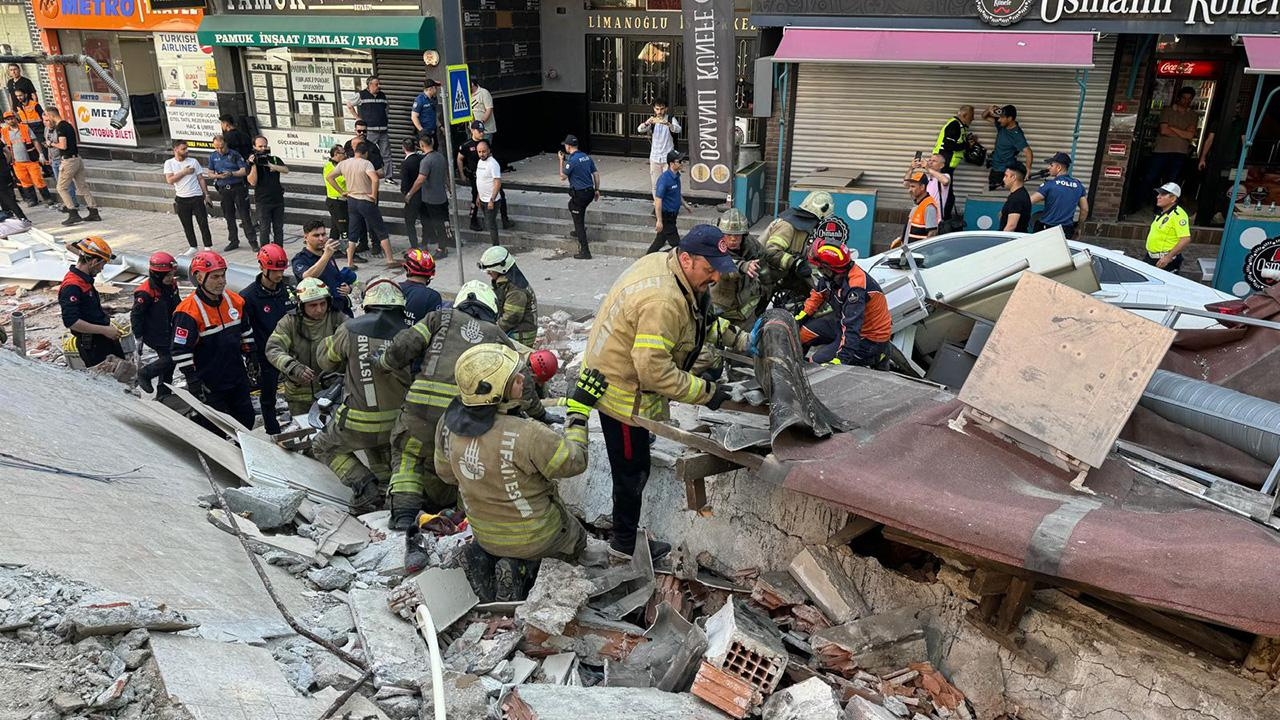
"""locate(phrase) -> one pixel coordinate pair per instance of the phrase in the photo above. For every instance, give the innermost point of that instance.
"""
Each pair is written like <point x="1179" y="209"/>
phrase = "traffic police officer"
<point x="1170" y="231"/>
<point x="1062" y="195"/>
<point x="298" y="339"/>
<point x="787" y="241"/>
<point x="517" y="303"/>
<point x="95" y="336"/>
<point x="504" y="466"/>
<point x="373" y="396"/>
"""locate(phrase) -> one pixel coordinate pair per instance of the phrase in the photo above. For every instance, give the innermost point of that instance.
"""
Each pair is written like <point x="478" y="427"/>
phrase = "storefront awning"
<point x="936" y="47"/>
<point x="1263" y="52"/>
<point x="372" y="33"/>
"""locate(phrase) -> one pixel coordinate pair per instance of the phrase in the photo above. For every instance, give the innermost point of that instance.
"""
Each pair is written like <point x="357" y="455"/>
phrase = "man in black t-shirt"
<point x="265" y="170"/>
<point x="17" y="81"/>
<point x="71" y="169"/>
<point x="375" y="155"/>
<point x="236" y="138"/>
<point x="1015" y="216"/>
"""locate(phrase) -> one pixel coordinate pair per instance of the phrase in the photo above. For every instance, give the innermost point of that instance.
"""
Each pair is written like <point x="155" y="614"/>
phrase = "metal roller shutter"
<point x="873" y="118"/>
<point x="402" y="74"/>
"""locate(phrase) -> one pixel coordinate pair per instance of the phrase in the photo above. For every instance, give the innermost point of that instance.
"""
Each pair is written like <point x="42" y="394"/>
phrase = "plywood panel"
<point x="1065" y="368"/>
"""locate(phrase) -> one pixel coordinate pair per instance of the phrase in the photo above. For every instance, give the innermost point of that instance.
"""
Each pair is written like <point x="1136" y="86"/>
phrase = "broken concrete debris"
<point x="396" y="653"/>
<point x="269" y="508"/>
<point x="818" y="572"/>
<point x="812" y="699"/>
<point x="111" y="614"/>
<point x="877" y="643"/>
<point x="558" y="593"/>
<point x="547" y="702"/>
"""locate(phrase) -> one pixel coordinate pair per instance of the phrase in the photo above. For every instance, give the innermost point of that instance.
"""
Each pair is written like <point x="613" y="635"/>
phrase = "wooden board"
<point x="1065" y="368"/>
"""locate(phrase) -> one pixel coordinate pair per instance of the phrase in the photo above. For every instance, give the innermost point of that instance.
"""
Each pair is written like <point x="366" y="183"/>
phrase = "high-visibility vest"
<point x="956" y="155"/>
<point x="916" y="227"/>
<point x="30" y="113"/>
<point x="1167" y="229"/>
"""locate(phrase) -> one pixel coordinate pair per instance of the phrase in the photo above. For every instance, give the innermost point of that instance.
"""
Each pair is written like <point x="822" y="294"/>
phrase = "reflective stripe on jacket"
<point x="373" y="393"/>
<point x="209" y="340"/>
<point x="299" y="341"/>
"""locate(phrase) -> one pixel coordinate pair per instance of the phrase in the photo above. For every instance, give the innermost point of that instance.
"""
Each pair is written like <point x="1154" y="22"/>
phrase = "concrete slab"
<point x="271" y="465"/>
<point x="553" y="702"/>
<point x="393" y="646"/>
<point x="223" y="681"/>
<point x="447" y="595"/>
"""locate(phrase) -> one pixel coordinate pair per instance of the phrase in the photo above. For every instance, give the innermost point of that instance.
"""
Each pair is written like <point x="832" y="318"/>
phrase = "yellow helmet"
<point x="484" y="373"/>
<point x="311" y="289"/>
<point x="819" y="203"/>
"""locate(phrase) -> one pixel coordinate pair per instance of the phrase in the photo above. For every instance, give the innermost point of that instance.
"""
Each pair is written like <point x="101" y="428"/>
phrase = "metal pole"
<point x="782" y="136"/>
<point x="453" y="44"/>
<point x="1082" y="78"/>
<point x="455" y="228"/>
<point x="20" y="333"/>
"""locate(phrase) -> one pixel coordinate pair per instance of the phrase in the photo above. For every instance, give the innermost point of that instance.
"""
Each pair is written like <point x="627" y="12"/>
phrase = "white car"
<point x="1123" y="279"/>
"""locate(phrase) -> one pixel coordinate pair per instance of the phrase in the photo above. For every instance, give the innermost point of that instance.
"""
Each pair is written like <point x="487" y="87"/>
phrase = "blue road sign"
<point x="459" y="94"/>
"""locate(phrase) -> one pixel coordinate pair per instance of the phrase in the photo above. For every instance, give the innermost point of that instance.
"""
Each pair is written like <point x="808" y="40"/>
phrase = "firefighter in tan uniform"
<point x="297" y="342"/>
<point x="373" y="397"/>
<point x="646" y="337"/>
<point x="737" y="297"/>
<point x="517" y="303"/>
<point x="787" y="244"/>
<point x="504" y="466"/>
<point x="436" y="342"/>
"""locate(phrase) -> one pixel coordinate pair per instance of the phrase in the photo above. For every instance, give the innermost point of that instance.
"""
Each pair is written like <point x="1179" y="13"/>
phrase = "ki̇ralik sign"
<point x="709" y="72"/>
<point x="1192" y="12"/>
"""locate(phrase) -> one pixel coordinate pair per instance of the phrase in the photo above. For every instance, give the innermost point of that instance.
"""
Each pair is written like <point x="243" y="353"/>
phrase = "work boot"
<point x="512" y="579"/>
<point x="231" y="246"/>
<point x="145" y="383"/>
<point x="366" y="496"/>
<point x="584" y="253"/>
<point x="416" y="554"/>
<point x="73" y="218"/>
<point x="93" y="215"/>
<point x="253" y="244"/>
<point x="479" y="567"/>
<point x="404" y="510"/>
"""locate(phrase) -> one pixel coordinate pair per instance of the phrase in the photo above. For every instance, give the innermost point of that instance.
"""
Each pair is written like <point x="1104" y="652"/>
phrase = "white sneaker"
<point x="190" y="251"/>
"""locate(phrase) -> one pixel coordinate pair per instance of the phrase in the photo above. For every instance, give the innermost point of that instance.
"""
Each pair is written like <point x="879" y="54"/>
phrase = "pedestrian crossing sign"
<point x="459" y="94"/>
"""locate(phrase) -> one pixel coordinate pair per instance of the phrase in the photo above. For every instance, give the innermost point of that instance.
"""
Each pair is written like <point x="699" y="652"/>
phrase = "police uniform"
<point x="211" y="342"/>
<point x="517" y="307"/>
<point x="1166" y="230"/>
<point x="1061" y="198"/>
<point x="263" y="310"/>
<point x="79" y="300"/>
<point x="296" y="344"/>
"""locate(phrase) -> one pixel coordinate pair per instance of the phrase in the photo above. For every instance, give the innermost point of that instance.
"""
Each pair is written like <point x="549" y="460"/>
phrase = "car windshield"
<point x="1113" y="273"/>
<point x="946" y="249"/>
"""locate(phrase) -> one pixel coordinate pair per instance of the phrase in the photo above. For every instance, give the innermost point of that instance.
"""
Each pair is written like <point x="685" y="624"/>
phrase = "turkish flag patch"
<point x="180" y="333"/>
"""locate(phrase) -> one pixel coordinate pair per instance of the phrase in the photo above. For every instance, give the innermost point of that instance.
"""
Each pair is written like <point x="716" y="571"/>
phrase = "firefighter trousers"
<point x="413" y="447"/>
<point x="336" y="446"/>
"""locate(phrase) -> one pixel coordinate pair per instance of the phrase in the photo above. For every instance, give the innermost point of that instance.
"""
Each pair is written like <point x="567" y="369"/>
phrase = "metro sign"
<point x="1188" y="68"/>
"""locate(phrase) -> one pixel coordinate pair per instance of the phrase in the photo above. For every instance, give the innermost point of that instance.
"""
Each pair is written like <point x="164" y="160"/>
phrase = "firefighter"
<point x="95" y="336"/>
<point x="295" y="344"/>
<point x="266" y="300"/>
<point x="648" y="333"/>
<point x="373" y="396"/>
<point x="858" y="331"/>
<point x="517" y="303"/>
<point x="504" y="466"/>
<point x="419" y="297"/>
<point x="151" y="320"/>
<point x="434" y="344"/>
<point x="738" y="297"/>
<point x="787" y="244"/>
<point x="212" y="342"/>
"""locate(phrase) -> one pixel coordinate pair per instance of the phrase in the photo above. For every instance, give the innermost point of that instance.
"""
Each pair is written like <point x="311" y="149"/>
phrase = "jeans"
<point x="491" y="221"/>
<point x="268" y="387"/>
<point x="235" y="203"/>
<point x="189" y="208"/>
<point x="668" y="235"/>
<point x="628" y="449"/>
<point x="477" y="206"/>
<point x="578" y="202"/>
<point x="437" y="220"/>
<point x="270" y="223"/>
<point x="382" y="139"/>
<point x="1162" y="168"/>
<point x="412" y="211"/>
<point x="365" y="219"/>
<point x="56" y="164"/>
<point x="337" y="208"/>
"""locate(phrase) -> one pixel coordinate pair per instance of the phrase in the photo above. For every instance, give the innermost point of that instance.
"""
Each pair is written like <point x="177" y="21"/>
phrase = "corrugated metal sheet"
<point x="873" y="118"/>
<point x="402" y="74"/>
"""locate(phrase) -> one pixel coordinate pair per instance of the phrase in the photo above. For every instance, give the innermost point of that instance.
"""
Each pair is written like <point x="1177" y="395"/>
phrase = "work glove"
<point x="297" y="373"/>
<point x="718" y="397"/>
<point x="835" y="361"/>
<point x="802" y="269"/>
<point x="587" y="392"/>
<point x="254" y="371"/>
<point x="753" y="347"/>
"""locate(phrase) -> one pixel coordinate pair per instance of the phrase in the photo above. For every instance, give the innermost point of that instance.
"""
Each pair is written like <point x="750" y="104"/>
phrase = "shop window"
<point x="305" y="88"/>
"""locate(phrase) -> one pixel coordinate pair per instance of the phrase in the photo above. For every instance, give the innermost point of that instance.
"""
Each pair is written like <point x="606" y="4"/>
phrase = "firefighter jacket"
<point x="264" y="308"/>
<point x="720" y="334"/>
<point x="517" y="307"/>
<point x="437" y="341"/>
<point x="646" y="337"/>
<point x="151" y="319"/>
<point x="373" y="393"/>
<point x="735" y="297"/>
<point x="295" y="344"/>
<point x="505" y="478"/>
<point x="787" y="244"/>
<point x="210" y="340"/>
<point x="860" y="303"/>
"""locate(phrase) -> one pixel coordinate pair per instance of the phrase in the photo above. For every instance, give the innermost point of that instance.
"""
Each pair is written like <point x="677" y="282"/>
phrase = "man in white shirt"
<point x="662" y="127"/>
<point x="488" y="187"/>
<point x="482" y="110"/>
<point x="190" y="193"/>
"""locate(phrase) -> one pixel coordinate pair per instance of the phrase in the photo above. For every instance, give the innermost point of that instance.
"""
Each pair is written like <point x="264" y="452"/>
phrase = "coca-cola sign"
<point x="1187" y="68"/>
<point x="1002" y="13"/>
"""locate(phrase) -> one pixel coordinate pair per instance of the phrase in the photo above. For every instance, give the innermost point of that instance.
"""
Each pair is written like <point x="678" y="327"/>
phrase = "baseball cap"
<point x="1061" y="158"/>
<point x="1008" y="111"/>
<point x="570" y="140"/>
<point x="708" y="241"/>
<point x="476" y="125"/>
<point x="676" y="156"/>
<point x="9" y="114"/>
<point x="1171" y="188"/>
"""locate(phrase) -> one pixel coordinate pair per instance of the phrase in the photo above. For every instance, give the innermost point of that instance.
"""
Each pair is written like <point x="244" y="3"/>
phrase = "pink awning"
<point x="1263" y="52"/>
<point x="936" y="47"/>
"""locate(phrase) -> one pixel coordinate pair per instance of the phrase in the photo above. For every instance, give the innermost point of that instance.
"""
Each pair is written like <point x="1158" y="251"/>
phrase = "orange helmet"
<point x="92" y="246"/>
<point x="835" y="258"/>
<point x="420" y="263"/>
<point x="272" y="257"/>
<point x="207" y="261"/>
<point x="161" y="262"/>
<point x="544" y="365"/>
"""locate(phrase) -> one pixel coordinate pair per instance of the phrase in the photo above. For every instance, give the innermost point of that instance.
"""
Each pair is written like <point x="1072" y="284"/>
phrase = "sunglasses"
<point x="361" y="131"/>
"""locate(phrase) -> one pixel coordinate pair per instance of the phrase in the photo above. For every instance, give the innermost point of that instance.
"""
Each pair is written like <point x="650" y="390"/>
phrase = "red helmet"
<point x="544" y="365"/>
<point x="832" y="257"/>
<point x="161" y="262"/>
<point x="418" y="262"/>
<point x="272" y="257"/>
<point x="206" y="261"/>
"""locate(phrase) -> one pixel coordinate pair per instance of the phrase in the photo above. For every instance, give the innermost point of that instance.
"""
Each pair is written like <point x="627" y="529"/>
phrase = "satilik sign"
<point x="710" y="69"/>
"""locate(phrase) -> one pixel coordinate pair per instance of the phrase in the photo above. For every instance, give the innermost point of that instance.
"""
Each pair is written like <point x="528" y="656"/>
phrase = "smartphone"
<point x="919" y="154"/>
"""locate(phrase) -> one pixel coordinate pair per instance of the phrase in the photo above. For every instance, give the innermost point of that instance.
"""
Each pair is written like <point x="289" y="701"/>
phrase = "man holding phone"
<point x="316" y="261"/>
<point x="265" y="170"/>
<point x="662" y="128"/>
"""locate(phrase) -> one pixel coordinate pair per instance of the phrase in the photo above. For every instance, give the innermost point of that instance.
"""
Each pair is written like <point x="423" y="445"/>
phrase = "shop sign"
<point x="113" y="15"/>
<point x="271" y="7"/>
<point x="832" y="231"/>
<point x="313" y="40"/>
<point x="1117" y="149"/>
<point x="1113" y="172"/>
<point x="710" y="70"/>
<point x="459" y="82"/>
<point x="1002" y="13"/>
<point x="93" y="121"/>
<point x="1187" y="68"/>
<point x="189" y="87"/>
<point x="301" y="147"/>
<point x="1262" y="264"/>
<point x="1191" y="12"/>
<point x="632" y="21"/>
<point x="195" y="121"/>
<point x="312" y="81"/>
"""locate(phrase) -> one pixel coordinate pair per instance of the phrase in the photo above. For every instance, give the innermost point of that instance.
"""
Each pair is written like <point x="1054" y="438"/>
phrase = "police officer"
<point x="95" y="336"/>
<point x="504" y="466"/>
<point x="787" y="241"/>
<point x="954" y="139"/>
<point x="374" y="394"/>
<point x="435" y="343"/>
<point x="517" y="303"/>
<point x="1170" y="232"/>
<point x="266" y="301"/>
<point x="419" y="297"/>
<point x="212" y="343"/>
<point x="151" y="319"/>
<point x="579" y="170"/>
<point x="294" y="347"/>
<point x="1062" y="196"/>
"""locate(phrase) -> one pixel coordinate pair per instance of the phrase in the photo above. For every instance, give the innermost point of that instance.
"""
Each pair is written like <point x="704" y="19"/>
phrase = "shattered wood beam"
<point x="856" y="527"/>
<point x="693" y="470"/>
<point x="1191" y="631"/>
<point x="747" y="460"/>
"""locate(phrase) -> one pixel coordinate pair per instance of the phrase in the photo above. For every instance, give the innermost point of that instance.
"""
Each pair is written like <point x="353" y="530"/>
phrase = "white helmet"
<point x="479" y="291"/>
<point x="497" y="259"/>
